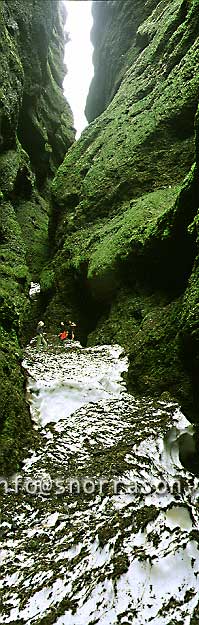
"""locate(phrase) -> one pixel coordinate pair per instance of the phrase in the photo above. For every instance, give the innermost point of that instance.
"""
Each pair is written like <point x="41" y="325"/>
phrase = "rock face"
<point x="114" y="31"/>
<point x="36" y="129"/>
<point x="126" y="198"/>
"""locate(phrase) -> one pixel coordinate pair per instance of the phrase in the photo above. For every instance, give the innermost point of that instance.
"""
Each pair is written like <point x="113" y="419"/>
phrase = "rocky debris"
<point x="101" y="525"/>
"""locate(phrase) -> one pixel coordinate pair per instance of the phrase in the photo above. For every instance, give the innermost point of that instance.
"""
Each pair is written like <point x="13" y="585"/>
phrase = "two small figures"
<point x="67" y="330"/>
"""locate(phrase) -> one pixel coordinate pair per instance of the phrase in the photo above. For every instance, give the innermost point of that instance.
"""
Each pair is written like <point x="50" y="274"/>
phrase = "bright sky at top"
<point x="78" y="58"/>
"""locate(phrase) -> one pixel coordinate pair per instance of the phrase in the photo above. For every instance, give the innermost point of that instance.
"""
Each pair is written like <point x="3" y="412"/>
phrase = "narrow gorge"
<point x="99" y="436"/>
<point x="36" y="129"/>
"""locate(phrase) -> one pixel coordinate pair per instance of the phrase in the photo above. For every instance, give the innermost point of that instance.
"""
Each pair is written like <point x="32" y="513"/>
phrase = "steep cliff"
<point x="36" y="129"/>
<point x="126" y="199"/>
<point x="116" y="42"/>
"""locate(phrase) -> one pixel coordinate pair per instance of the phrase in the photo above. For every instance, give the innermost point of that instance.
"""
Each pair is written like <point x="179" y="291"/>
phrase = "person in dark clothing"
<point x="73" y="326"/>
<point x="70" y="329"/>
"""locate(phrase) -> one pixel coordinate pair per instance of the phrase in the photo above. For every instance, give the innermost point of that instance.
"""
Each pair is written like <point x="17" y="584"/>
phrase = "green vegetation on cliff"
<point x="116" y="39"/>
<point x="123" y="231"/>
<point x="124" y="226"/>
<point x="36" y="129"/>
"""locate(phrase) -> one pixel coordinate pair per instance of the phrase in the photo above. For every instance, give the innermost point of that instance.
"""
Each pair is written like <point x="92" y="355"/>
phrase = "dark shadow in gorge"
<point x="90" y="310"/>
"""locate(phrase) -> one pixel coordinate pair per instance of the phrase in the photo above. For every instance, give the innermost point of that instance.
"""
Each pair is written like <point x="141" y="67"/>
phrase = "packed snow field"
<point x="101" y="525"/>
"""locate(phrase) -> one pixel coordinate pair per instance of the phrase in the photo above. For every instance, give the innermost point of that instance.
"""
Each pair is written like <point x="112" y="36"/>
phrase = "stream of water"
<point x="101" y="525"/>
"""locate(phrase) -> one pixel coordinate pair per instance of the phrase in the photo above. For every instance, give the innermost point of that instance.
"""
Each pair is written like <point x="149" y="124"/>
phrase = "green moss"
<point x="130" y="229"/>
<point x="107" y="241"/>
<point x="15" y="425"/>
<point x="125" y="207"/>
<point x="36" y="130"/>
<point x="140" y="141"/>
<point x="47" y="279"/>
<point x="33" y="215"/>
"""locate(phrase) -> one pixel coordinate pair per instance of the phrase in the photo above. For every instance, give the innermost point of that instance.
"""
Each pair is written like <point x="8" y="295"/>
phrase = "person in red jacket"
<point x="64" y="332"/>
<point x="67" y="330"/>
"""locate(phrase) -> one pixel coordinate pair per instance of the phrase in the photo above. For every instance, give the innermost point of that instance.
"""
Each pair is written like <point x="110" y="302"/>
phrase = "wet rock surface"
<point x="125" y="218"/>
<point x="101" y="525"/>
<point x="36" y="129"/>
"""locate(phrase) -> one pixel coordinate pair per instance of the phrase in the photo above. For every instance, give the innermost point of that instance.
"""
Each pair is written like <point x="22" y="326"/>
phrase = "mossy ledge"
<point x="125" y="221"/>
<point x="36" y="129"/>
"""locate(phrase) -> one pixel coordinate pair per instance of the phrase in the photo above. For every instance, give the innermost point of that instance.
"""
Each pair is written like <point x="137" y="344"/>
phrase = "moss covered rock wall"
<point x="126" y="198"/>
<point x="36" y="129"/>
<point x="117" y="41"/>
